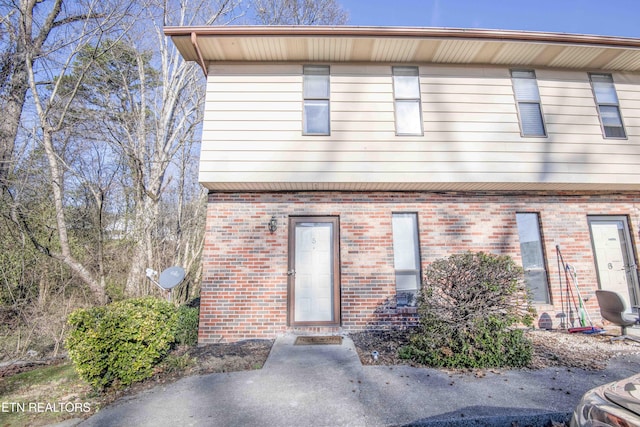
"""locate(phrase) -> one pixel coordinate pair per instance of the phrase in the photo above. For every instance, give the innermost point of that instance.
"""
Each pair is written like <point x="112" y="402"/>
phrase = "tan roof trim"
<point x="207" y="45"/>
<point x="404" y="32"/>
<point x="194" y="42"/>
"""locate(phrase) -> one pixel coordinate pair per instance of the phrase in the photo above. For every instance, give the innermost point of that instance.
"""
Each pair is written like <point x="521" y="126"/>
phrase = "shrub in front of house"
<point x="470" y="306"/>
<point x="122" y="342"/>
<point x="186" y="331"/>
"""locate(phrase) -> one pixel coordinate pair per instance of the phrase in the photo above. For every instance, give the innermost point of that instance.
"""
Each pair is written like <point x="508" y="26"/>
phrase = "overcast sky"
<point x="610" y="17"/>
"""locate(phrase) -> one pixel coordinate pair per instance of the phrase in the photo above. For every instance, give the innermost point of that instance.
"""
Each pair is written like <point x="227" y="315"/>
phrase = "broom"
<point x="582" y="311"/>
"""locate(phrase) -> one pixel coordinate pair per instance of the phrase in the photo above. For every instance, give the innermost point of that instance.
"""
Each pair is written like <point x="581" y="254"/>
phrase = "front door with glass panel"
<point x="314" y="292"/>
<point x="614" y="256"/>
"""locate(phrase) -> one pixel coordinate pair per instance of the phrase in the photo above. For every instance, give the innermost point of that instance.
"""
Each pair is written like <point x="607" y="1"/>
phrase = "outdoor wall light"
<point x="273" y="224"/>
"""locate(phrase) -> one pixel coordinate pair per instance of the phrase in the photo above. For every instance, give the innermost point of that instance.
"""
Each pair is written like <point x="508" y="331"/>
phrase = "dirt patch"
<point x="385" y="342"/>
<point x="239" y="356"/>
<point x="550" y="348"/>
<point x="209" y="359"/>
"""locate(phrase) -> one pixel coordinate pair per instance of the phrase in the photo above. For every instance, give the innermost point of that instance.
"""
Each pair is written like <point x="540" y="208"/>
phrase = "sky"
<point x="596" y="17"/>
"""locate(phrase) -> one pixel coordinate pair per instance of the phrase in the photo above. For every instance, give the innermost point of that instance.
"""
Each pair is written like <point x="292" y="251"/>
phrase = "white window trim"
<point x="537" y="102"/>
<point x="418" y="100"/>
<point x="417" y="271"/>
<point x="616" y="105"/>
<point x="328" y="99"/>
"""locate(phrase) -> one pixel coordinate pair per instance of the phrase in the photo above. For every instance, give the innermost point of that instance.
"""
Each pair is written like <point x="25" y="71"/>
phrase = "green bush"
<point x="120" y="343"/>
<point x="186" y="332"/>
<point x="469" y="307"/>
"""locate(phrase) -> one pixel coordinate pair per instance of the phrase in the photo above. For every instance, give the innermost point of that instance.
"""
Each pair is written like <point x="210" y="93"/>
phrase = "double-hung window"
<point x="406" y="94"/>
<point x="406" y="257"/>
<point x="535" y="271"/>
<point x="316" y="100"/>
<point x="525" y="88"/>
<point x="608" y="106"/>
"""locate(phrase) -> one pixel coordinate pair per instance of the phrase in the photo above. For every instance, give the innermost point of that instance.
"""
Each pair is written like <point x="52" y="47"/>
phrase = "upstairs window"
<point x="316" y="100"/>
<point x="608" y="106"/>
<point x="406" y="257"/>
<point x="525" y="88"/>
<point x="406" y="94"/>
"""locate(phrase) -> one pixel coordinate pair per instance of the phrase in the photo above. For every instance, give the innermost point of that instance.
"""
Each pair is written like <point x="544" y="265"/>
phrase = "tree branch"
<point x="77" y="18"/>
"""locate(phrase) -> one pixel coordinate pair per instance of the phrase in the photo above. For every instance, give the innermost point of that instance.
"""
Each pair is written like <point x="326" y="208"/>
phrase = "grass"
<point x="44" y="396"/>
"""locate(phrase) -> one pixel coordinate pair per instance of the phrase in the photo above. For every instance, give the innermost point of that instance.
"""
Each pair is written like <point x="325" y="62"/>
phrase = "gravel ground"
<point x="551" y="348"/>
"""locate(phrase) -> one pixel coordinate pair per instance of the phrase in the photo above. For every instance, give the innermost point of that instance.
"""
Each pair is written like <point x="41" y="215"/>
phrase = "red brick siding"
<point x="244" y="289"/>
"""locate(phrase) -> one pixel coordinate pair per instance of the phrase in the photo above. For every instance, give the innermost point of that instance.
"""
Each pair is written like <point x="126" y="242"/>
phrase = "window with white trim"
<point x="316" y="100"/>
<point x="406" y="257"/>
<point x="406" y="95"/>
<point x="533" y="261"/>
<point x="606" y="98"/>
<point x="525" y="88"/>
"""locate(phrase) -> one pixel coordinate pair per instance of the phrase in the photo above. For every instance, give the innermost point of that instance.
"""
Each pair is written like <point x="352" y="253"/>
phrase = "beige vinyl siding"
<point x="628" y="89"/>
<point x="252" y="132"/>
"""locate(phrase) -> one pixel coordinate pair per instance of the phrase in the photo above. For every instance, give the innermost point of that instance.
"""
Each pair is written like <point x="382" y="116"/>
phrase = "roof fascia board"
<point x="404" y="32"/>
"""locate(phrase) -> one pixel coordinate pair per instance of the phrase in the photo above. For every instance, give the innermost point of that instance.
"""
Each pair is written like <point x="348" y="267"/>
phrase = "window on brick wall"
<point x="406" y="257"/>
<point x="608" y="106"/>
<point x="406" y="94"/>
<point x="533" y="262"/>
<point x="525" y="88"/>
<point x="316" y="100"/>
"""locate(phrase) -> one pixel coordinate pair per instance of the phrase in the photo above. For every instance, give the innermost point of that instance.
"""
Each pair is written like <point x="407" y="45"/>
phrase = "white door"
<point x="615" y="271"/>
<point x="312" y="275"/>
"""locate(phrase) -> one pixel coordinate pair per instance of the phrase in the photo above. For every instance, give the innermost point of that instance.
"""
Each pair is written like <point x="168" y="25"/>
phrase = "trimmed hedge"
<point x="122" y="342"/>
<point x="469" y="307"/>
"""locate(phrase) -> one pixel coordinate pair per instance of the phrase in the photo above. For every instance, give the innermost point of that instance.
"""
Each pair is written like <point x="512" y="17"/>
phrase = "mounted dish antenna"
<point x="169" y="278"/>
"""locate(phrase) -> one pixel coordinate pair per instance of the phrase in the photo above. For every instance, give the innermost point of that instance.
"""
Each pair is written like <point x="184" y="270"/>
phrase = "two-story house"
<point x="341" y="161"/>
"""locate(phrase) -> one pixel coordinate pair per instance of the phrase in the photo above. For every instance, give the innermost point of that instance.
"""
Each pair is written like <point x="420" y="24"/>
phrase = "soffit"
<point x="406" y="45"/>
<point x="220" y="186"/>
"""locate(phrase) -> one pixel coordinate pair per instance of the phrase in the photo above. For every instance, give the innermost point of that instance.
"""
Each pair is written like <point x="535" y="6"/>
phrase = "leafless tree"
<point x="46" y="66"/>
<point x="299" y="12"/>
<point x="165" y="128"/>
<point x="26" y="27"/>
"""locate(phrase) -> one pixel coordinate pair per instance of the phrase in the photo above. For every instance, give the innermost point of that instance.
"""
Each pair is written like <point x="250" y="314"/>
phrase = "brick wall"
<point x="244" y="288"/>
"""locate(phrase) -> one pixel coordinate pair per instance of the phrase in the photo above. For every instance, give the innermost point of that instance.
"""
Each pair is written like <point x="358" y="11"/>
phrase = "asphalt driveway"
<point x="326" y="385"/>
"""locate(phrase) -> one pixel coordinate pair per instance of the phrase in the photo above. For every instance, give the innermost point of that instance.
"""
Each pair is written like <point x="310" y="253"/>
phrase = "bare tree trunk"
<point x="11" y="111"/>
<point x="65" y="249"/>
<point x="141" y="258"/>
<point x="21" y="33"/>
<point x="99" y="196"/>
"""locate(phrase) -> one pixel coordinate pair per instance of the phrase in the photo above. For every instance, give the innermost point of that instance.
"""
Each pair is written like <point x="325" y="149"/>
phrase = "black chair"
<point x="613" y="309"/>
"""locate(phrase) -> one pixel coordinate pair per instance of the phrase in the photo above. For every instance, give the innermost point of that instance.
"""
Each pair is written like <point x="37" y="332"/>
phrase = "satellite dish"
<point x="171" y="277"/>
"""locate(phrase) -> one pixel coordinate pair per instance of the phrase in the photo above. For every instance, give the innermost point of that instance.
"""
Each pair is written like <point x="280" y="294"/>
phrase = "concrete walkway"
<point x="325" y="385"/>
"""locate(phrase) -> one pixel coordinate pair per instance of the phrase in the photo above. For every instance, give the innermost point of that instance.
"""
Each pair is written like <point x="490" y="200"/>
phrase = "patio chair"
<point x="613" y="309"/>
